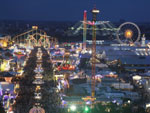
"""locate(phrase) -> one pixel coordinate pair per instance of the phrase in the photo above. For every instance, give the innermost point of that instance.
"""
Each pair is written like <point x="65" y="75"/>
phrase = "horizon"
<point x="69" y="21"/>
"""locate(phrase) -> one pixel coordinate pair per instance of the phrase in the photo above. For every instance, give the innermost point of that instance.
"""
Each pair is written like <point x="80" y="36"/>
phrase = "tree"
<point x="1" y="108"/>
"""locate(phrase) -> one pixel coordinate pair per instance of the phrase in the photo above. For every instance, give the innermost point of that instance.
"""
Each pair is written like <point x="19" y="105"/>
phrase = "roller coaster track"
<point x="31" y="36"/>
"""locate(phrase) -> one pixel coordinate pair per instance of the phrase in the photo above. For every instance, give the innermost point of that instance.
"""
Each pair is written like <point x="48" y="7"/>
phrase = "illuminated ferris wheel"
<point x="128" y="33"/>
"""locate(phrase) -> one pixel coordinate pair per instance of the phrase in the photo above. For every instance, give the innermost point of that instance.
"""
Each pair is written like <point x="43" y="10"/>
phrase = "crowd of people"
<point x="50" y="98"/>
<point x="25" y="98"/>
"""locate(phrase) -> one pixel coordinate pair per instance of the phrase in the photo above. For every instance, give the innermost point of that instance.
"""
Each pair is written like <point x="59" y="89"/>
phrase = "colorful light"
<point x="8" y="79"/>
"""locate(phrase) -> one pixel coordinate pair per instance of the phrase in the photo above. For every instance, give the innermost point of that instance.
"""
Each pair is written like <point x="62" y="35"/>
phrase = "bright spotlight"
<point x="72" y="107"/>
<point x="86" y="109"/>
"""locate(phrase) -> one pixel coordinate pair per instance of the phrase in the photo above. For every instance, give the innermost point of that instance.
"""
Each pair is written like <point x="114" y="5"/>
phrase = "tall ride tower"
<point x="94" y="13"/>
<point x="84" y="29"/>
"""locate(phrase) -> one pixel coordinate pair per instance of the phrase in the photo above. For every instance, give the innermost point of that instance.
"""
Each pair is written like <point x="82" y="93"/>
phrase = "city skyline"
<point x="69" y="10"/>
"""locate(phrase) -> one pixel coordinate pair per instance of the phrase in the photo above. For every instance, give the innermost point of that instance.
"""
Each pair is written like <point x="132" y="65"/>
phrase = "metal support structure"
<point x="94" y="13"/>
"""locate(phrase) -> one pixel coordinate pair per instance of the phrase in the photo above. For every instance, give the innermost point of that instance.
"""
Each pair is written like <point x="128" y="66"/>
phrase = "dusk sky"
<point x="72" y="10"/>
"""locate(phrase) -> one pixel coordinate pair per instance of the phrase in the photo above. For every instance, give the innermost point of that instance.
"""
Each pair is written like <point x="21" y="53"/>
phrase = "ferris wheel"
<point x="128" y="33"/>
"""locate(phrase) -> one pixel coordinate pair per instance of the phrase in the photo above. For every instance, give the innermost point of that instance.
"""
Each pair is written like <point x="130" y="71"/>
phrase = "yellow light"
<point x="128" y="34"/>
<point x="4" y="66"/>
<point x="34" y="27"/>
<point x="17" y="86"/>
<point x="89" y="98"/>
<point x="38" y="88"/>
<point x="95" y="11"/>
<point x="3" y="43"/>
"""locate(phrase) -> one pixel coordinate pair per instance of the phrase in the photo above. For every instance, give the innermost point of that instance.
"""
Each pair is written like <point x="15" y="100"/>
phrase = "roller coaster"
<point x="35" y="37"/>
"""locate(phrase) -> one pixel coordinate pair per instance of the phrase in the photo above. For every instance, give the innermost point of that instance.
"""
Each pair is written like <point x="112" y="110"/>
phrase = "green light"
<point x="86" y="109"/>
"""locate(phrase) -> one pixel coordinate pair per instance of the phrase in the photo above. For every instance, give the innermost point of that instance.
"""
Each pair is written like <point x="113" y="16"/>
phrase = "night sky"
<point x="72" y="10"/>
